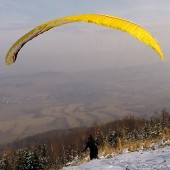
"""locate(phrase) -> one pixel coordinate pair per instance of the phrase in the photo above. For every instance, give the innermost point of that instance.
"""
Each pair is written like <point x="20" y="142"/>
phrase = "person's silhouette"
<point x="91" y="144"/>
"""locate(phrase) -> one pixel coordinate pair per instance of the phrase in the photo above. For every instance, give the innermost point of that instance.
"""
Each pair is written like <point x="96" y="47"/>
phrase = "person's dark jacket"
<point x="91" y="144"/>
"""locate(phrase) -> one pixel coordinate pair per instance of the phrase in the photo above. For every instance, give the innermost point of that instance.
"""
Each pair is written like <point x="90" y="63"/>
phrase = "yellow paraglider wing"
<point x="100" y="19"/>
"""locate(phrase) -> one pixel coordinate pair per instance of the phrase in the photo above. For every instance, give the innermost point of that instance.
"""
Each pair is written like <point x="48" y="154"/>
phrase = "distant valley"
<point x="39" y="102"/>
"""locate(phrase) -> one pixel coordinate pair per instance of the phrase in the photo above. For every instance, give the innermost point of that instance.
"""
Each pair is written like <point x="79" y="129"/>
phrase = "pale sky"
<point x="81" y="46"/>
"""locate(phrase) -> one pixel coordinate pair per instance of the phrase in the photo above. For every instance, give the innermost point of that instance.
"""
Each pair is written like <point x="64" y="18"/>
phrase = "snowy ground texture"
<point x="140" y="160"/>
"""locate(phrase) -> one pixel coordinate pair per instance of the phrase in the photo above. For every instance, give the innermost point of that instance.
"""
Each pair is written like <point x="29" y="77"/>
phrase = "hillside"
<point x="57" y="149"/>
<point x="158" y="159"/>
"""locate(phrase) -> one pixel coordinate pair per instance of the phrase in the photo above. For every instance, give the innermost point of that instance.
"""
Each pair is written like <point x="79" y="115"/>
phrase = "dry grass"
<point x="108" y="151"/>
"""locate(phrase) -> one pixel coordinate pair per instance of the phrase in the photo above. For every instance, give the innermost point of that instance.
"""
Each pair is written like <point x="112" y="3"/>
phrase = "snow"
<point x="158" y="159"/>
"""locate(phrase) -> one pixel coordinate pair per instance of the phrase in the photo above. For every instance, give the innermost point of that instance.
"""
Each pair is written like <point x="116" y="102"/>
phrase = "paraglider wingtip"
<point x="161" y="55"/>
<point x="162" y="58"/>
<point x="9" y="61"/>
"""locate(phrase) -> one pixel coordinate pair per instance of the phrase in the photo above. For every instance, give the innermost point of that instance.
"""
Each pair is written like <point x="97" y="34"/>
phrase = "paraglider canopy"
<point x="100" y="19"/>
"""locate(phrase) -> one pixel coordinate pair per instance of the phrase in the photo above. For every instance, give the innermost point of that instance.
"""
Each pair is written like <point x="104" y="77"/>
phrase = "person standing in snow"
<point x="92" y="145"/>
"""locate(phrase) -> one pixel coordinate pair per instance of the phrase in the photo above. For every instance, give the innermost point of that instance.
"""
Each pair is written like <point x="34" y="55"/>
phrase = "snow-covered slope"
<point x="141" y="160"/>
